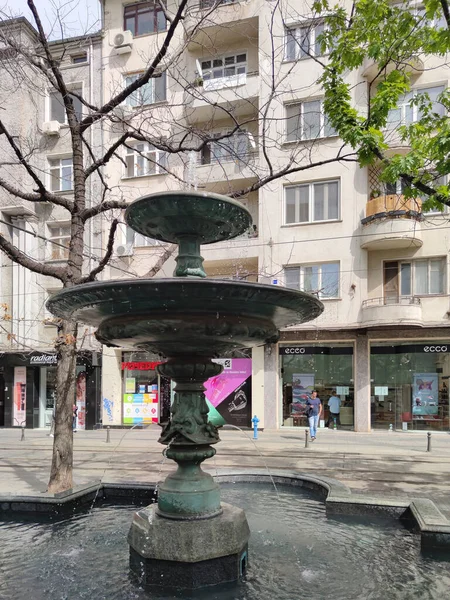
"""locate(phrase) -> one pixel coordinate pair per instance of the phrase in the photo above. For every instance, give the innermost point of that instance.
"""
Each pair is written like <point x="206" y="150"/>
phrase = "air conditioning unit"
<point x="51" y="127"/>
<point x="123" y="42"/>
<point x="124" y="250"/>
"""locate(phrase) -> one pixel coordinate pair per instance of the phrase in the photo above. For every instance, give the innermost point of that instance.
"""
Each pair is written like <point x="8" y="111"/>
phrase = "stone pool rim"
<point x="424" y="515"/>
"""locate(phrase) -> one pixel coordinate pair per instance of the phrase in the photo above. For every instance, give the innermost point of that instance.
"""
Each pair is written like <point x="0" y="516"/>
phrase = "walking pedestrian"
<point x="314" y="412"/>
<point x="334" y="404"/>
<point x="52" y="425"/>
<point x="74" y="418"/>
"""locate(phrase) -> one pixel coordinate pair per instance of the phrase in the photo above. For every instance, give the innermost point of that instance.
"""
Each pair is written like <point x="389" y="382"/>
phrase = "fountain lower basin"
<point x="296" y="552"/>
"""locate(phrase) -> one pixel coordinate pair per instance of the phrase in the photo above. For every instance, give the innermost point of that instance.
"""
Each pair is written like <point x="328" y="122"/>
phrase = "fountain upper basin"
<point x="182" y="316"/>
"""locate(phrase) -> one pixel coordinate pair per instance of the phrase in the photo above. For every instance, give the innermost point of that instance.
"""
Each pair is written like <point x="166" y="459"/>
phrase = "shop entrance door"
<point x="2" y="401"/>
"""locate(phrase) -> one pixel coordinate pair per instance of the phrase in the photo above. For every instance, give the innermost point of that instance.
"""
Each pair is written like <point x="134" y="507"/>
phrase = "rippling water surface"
<point x="296" y="552"/>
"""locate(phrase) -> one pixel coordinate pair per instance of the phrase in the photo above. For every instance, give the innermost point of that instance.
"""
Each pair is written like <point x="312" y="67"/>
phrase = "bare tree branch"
<point x="107" y="156"/>
<point x="446" y="11"/>
<point x="36" y="197"/>
<point x="167" y="253"/>
<point x="109" y="250"/>
<point x="93" y="211"/>
<point x="26" y="261"/>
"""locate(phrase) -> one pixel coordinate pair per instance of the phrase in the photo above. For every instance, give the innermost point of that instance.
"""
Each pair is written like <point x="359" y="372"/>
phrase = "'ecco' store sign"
<point x="43" y="359"/>
<point x="435" y="348"/>
<point x="328" y="350"/>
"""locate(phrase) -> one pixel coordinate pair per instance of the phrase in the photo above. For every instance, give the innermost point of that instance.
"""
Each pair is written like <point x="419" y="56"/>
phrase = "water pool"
<point x="295" y="552"/>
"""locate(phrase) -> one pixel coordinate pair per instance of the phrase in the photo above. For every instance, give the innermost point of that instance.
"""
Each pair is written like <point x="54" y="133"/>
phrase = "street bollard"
<point x="428" y="442"/>
<point x="108" y="435"/>
<point x="255" y="422"/>
<point x="22" y="439"/>
<point x="306" y="438"/>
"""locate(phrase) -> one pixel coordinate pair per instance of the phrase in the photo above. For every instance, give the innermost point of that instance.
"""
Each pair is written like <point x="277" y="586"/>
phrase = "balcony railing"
<point x="392" y="300"/>
<point x="242" y="160"/>
<point x="392" y="205"/>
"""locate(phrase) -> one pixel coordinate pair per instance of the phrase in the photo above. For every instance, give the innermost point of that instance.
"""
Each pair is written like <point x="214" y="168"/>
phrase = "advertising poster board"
<point x="130" y="385"/>
<point x="20" y="396"/>
<point x="141" y="408"/>
<point x="425" y="395"/>
<point x="229" y="394"/>
<point x="302" y="386"/>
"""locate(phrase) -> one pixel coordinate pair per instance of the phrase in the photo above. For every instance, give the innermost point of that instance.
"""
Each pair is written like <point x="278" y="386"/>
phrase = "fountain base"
<point x="189" y="554"/>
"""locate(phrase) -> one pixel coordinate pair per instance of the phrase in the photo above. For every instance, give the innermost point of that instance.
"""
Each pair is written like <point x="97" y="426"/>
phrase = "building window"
<point x="321" y="279"/>
<point x="230" y="69"/>
<point x="59" y="236"/>
<point x="311" y="202"/>
<point x="303" y="41"/>
<point x="143" y="159"/>
<point x="79" y="58"/>
<point x="438" y="22"/>
<point x="149" y="93"/>
<point x="405" y="113"/>
<point x="414" y="278"/>
<point x="307" y="121"/>
<point x="61" y="174"/>
<point x="399" y="188"/>
<point x="237" y="148"/>
<point x="144" y="17"/>
<point x="137" y="240"/>
<point x="57" y="109"/>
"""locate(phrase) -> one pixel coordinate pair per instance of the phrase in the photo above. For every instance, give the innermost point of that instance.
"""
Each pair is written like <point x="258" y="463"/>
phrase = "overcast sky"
<point x="78" y="16"/>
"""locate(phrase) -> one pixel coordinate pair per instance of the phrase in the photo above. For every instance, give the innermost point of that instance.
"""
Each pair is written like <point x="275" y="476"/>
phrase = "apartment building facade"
<point x="34" y="115"/>
<point x="377" y="262"/>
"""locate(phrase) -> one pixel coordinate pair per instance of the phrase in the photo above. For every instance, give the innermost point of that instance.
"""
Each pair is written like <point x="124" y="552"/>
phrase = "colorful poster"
<point x="81" y="399"/>
<point x="20" y="396"/>
<point x="302" y="386"/>
<point x="425" y="398"/>
<point x="130" y="385"/>
<point x="141" y="408"/>
<point x="229" y="394"/>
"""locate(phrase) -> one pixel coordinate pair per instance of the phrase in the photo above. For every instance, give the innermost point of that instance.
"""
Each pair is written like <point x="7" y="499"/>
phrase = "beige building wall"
<point x="272" y="83"/>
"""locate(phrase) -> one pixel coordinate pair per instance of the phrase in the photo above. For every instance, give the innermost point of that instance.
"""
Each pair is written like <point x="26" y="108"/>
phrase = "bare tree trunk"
<point x="62" y="459"/>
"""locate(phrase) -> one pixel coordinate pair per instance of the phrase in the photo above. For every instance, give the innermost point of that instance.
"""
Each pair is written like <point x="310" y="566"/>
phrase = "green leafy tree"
<point x="398" y="42"/>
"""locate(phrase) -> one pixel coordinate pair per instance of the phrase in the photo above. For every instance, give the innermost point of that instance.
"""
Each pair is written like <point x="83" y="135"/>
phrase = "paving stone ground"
<point x="390" y="464"/>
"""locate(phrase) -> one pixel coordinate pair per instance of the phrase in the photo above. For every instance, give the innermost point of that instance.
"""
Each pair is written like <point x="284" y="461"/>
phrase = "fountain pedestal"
<point x="189" y="553"/>
<point x="190" y="539"/>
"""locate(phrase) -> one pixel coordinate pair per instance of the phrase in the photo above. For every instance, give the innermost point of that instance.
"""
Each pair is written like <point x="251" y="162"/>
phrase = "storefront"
<point x="409" y="385"/>
<point x="28" y="381"/>
<point x="325" y="367"/>
<point x="145" y="394"/>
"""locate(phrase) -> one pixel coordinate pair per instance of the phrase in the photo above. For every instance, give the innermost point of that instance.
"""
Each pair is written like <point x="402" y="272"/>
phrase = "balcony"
<point x="371" y="70"/>
<point x="238" y="94"/>
<point x="392" y="221"/>
<point x="392" y="310"/>
<point x="230" y="18"/>
<point x="241" y="168"/>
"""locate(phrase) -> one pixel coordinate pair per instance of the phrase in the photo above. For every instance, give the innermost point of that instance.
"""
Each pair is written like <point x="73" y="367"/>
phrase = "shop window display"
<point x="409" y="385"/>
<point x="324" y="367"/>
<point x="146" y="395"/>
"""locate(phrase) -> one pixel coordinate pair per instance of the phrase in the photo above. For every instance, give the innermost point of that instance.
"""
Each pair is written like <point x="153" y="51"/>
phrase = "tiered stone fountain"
<point x="190" y="538"/>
